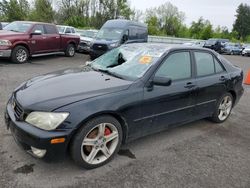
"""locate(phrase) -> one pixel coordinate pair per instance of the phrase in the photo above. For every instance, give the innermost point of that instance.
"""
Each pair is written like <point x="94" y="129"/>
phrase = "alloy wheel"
<point x="99" y="143"/>
<point x="71" y="51"/>
<point x="225" y="107"/>
<point x="21" y="55"/>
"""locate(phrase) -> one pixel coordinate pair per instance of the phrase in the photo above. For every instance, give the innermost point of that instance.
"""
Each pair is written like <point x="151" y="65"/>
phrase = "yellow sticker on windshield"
<point x="145" y="59"/>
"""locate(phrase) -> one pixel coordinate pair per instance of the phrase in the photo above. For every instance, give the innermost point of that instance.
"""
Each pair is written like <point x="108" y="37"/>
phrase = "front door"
<point x="37" y="39"/>
<point x="167" y="105"/>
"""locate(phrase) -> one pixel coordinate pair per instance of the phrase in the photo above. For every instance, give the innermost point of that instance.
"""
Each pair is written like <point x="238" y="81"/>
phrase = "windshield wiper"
<point x="108" y="72"/>
<point x="14" y="30"/>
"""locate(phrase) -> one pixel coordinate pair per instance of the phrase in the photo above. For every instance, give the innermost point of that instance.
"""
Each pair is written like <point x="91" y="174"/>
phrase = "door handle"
<point x="189" y="85"/>
<point x="223" y="78"/>
<point x="44" y="37"/>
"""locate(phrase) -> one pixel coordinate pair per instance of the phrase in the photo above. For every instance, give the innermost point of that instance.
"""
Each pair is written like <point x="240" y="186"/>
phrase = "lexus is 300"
<point x="129" y="92"/>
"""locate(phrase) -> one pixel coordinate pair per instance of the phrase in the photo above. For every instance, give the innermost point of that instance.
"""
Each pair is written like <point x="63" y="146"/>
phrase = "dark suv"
<point x="115" y="33"/>
<point x="215" y="44"/>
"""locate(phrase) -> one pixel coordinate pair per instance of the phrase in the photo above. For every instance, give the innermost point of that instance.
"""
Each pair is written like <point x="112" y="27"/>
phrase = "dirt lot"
<point x="200" y="154"/>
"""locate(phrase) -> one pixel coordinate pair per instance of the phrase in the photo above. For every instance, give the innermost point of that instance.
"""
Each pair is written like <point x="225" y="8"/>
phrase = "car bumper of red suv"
<point x="5" y="53"/>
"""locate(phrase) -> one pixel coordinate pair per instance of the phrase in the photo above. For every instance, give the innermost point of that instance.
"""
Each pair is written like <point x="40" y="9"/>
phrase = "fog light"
<point x="38" y="152"/>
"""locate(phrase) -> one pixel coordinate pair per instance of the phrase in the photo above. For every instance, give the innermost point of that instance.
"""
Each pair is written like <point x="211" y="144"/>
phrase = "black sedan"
<point x="129" y="92"/>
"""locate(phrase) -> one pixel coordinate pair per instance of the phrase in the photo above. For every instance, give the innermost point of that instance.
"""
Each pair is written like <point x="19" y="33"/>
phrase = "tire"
<point x="222" y="112"/>
<point x="90" y="141"/>
<point x="20" y="55"/>
<point x="70" y="50"/>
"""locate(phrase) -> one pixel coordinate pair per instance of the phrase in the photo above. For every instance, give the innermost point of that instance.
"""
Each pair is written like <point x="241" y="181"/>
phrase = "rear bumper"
<point x="246" y="53"/>
<point x="5" y="53"/>
<point x="28" y="136"/>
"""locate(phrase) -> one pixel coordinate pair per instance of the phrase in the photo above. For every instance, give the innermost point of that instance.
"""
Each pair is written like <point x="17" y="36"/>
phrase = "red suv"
<point x="23" y="39"/>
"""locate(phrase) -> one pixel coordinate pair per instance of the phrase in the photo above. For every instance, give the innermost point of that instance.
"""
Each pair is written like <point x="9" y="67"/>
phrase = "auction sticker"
<point x="145" y="59"/>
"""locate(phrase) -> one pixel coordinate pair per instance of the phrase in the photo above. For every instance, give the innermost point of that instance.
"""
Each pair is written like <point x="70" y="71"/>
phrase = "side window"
<point x="218" y="67"/>
<point x="73" y="30"/>
<point x="176" y="66"/>
<point x="132" y="32"/>
<point x="50" y="29"/>
<point x="204" y="63"/>
<point x="37" y="29"/>
<point x="68" y="30"/>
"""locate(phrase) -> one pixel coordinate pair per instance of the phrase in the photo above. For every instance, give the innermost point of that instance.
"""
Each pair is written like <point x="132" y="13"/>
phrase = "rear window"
<point x="206" y="64"/>
<point x="50" y="29"/>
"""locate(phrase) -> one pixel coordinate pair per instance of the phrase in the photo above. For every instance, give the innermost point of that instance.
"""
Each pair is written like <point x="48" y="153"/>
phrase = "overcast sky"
<point x="219" y="12"/>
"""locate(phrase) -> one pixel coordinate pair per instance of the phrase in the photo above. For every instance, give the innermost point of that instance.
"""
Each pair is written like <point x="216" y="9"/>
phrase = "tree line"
<point x="165" y="19"/>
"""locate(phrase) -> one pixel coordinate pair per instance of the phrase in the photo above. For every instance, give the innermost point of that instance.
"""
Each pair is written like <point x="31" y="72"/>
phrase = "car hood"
<point x="104" y="41"/>
<point x="88" y="39"/>
<point x="57" y="89"/>
<point x="4" y="33"/>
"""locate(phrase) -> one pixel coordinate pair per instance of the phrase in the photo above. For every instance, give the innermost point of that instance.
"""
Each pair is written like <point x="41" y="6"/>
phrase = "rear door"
<point x="53" y="39"/>
<point x="211" y="79"/>
<point x="167" y="105"/>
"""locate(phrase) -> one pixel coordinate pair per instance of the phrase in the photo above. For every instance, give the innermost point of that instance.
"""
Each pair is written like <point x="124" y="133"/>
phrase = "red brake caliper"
<point x="107" y="131"/>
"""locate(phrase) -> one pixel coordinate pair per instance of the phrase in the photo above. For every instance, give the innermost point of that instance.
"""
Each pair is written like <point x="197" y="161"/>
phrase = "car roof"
<point x="122" y="23"/>
<point x="32" y="22"/>
<point x="64" y="26"/>
<point x="168" y="47"/>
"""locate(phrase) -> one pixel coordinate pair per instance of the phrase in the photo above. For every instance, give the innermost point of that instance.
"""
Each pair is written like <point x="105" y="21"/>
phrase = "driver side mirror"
<point x="162" y="81"/>
<point x="124" y="38"/>
<point x="36" y="32"/>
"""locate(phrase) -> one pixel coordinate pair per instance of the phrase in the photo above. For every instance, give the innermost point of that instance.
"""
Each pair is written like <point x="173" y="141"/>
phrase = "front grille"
<point x="18" y="109"/>
<point x="102" y="47"/>
<point x="83" y="44"/>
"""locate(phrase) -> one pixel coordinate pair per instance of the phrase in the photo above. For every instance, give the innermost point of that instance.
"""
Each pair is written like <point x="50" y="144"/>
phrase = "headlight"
<point x="5" y="43"/>
<point x="114" y="45"/>
<point x="46" y="120"/>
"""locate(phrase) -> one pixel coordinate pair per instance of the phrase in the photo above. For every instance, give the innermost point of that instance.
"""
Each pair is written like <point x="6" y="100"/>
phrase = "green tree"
<point x="13" y="10"/>
<point x="153" y="25"/>
<point x="42" y="11"/>
<point x="242" y="22"/>
<point x="202" y="29"/>
<point x="169" y="19"/>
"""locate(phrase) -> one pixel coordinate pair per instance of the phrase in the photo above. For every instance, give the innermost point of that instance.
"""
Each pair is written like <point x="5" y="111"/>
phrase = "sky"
<point x="218" y="12"/>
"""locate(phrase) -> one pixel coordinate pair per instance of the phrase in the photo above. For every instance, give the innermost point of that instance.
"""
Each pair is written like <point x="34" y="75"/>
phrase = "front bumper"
<point x="5" y="53"/>
<point x="96" y="53"/>
<point x="28" y="136"/>
<point x="83" y="47"/>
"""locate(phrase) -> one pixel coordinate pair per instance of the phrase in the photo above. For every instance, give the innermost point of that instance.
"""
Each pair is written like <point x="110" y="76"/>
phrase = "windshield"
<point x="61" y="29"/>
<point x="109" y="34"/>
<point x="18" y="27"/>
<point x="230" y="44"/>
<point x="128" y="62"/>
<point x="90" y="34"/>
<point x="211" y="42"/>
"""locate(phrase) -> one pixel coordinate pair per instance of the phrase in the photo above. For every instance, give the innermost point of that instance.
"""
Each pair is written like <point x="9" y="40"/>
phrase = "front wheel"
<point x="70" y="50"/>
<point x="20" y="54"/>
<point x="223" y="108"/>
<point x="97" y="142"/>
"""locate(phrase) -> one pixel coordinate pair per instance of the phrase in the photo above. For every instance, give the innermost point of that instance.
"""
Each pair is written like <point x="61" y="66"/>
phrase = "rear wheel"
<point x="97" y="142"/>
<point x="223" y="108"/>
<point x="20" y="54"/>
<point x="70" y="50"/>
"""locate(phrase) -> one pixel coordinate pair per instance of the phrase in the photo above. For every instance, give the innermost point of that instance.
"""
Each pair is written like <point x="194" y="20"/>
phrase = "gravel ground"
<point x="199" y="154"/>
